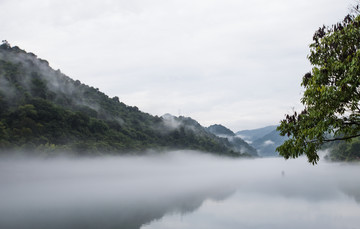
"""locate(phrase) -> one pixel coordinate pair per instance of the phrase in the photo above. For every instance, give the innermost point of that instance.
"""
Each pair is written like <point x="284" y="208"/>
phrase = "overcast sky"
<point x="231" y="62"/>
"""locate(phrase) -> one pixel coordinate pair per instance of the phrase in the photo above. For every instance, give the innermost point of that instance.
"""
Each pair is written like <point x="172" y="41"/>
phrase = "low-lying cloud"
<point x="131" y="191"/>
<point x="268" y="142"/>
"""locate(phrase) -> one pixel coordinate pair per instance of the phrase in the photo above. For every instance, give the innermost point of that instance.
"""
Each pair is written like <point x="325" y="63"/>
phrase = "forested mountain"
<point x="43" y="110"/>
<point x="234" y="142"/>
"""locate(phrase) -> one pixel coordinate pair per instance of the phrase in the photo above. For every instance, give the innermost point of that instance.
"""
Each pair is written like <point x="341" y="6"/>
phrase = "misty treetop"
<point x="332" y="93"/>
<point x="236" y="143"/>
<point x="46" y="111"/>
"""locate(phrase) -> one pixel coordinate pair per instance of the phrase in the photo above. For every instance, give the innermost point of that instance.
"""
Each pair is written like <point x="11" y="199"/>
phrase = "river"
<point x="178" y="189"/>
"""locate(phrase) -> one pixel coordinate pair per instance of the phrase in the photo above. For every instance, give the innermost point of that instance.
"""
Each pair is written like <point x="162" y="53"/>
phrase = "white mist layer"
<point x="130" y="192"/>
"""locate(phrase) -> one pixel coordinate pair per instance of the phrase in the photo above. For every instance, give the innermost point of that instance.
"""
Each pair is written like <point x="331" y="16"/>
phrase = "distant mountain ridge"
<point x="43" y="110"/>
<point x="251" y="135"/>
<point x="265" y="140"/>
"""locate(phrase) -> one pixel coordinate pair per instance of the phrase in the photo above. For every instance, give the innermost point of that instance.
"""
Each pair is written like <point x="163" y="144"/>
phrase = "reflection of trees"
<point x="117" y="214"/>
<point x="74" y="195"/>
<point x="140" y="215"/>
<point x="353" y="193"/>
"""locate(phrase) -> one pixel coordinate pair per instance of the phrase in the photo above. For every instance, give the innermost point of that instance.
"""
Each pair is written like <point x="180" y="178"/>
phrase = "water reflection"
<point x="191" y="190"/>
<point x="263" y="211"/>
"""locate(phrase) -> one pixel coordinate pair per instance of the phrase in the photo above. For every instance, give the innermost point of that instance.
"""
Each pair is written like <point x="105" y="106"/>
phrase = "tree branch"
<point x="351" y="123"/>
<point x="343" y="138"/>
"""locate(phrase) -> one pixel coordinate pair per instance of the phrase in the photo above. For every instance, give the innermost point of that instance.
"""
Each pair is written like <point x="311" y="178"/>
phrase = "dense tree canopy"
<point x="332" y="92"/>
<point x="44" y="111"/>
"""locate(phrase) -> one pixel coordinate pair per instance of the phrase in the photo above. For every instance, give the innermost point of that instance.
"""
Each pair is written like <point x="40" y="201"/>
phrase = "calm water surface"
<point x="178" y="189"/>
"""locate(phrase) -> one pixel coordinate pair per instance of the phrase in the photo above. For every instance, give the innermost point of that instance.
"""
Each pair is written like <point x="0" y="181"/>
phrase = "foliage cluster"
<point x="332" y="92"/>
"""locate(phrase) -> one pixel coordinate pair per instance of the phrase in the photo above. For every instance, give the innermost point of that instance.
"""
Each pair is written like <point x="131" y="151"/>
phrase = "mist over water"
<point x="179" y="189"/>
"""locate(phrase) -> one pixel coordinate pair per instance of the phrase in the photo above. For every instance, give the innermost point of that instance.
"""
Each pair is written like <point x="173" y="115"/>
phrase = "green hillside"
<point x="343" y="150"/>
<point x="43" y="110"/>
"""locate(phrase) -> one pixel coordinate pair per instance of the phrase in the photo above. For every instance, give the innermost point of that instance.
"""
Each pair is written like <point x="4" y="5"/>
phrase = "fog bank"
<point x="134" y="191"/>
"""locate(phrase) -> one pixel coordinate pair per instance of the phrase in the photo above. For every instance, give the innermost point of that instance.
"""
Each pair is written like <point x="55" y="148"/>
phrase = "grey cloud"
<point x="236" y="49"/>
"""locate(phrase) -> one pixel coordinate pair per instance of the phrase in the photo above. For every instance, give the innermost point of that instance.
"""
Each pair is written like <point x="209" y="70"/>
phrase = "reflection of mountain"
<point x="128" y="192"/>
<point x="107" y="192"/>
<point x="235" y="142"/>
<point x="118" y="213"/>
<point x="265" y="140"/>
